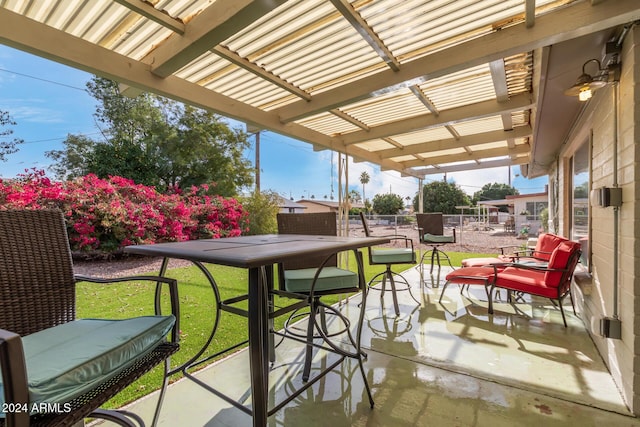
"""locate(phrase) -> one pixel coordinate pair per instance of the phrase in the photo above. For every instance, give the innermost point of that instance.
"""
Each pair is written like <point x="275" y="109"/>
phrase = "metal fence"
<point x="398" y="224"/>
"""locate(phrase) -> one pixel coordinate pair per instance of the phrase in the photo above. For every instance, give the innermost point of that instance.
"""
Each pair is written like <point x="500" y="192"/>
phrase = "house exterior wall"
<point x="313" y="207"/>
<point x="292" y="210"/>
<point x="611" y="128"/>
<point x="531" y="222"/>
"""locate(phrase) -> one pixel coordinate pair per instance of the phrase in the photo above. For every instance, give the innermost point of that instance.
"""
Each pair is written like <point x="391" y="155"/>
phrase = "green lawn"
<point x="196" y="299"/>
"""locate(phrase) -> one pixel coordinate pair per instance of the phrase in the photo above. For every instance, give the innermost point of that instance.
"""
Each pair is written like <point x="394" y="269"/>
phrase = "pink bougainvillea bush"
<point x="104" y="215"/>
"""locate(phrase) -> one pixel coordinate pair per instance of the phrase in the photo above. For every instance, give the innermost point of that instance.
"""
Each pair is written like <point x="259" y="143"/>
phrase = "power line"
<point x="56" y="139"/>
<point x="42" y="80"/>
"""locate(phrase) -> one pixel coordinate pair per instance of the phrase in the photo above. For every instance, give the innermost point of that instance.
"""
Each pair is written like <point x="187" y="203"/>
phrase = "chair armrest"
<point x="399" y="237"/>
<point x="535" y="252"/>
<point x="14" y="378"/>
<point x="502" y="249"/>
<point x="173" y="294"/>
<point x="407" y="241"/>
<point x="394" y="236"/>
<point x="528" y="257"/>
<point x="526" y="267"/>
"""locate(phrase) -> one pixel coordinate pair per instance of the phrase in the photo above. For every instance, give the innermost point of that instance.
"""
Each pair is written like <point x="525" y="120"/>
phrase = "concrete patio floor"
<point x="448" y="364"/>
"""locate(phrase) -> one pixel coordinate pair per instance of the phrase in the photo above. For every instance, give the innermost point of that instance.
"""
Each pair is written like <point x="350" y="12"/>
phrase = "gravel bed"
<point x="474" y="241"/>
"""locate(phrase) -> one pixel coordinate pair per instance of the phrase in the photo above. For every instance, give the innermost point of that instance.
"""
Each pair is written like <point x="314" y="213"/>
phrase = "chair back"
<point x="431" y="223"/>
<point x="565" y="256"/>
<point x="37" y="288"/>
<point x="545" y="245"/>
<point x="365" y="225"/>
<point x="319" y="224"/>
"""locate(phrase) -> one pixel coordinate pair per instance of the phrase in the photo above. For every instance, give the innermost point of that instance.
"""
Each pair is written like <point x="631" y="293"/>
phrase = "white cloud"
<point x="36" y="115"/>
<point x="472" y="181"/>
<point x="381" y="181"/>
<point x="391" y="181"/>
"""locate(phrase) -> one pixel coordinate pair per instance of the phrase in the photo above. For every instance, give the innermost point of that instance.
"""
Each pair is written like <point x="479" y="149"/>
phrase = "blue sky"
<point x="48" y="101"/>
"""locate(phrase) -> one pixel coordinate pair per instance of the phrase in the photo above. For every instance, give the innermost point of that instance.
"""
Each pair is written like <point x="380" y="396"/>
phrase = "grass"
<point x="130" y="299"/>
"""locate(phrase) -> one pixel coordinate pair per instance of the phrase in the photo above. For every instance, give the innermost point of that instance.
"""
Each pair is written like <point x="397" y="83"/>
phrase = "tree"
<point x="72" y="162"/>
<point x="440" y="196"/>
<point x="156" y="141"/>
<point x="494" y="191"/>
<point x="364" y="179"/>
<point x="354" y="196"/>
<point x="387" y="204"/>
<point x="7" y="146"/>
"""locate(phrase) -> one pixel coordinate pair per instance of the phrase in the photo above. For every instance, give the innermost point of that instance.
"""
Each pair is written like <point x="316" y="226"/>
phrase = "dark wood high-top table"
<point x="254" y="253"/>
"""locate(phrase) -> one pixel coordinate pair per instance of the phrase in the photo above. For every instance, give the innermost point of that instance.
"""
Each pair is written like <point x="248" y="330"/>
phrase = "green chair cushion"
<point x="435" y="238"/>
<point x="67" y="360"/>
<point x="392" y="256"/>
<point x="331" y="278"/>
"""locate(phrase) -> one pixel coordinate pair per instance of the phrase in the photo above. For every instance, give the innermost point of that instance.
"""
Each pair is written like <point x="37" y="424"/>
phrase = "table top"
<point x="254" y="251"/>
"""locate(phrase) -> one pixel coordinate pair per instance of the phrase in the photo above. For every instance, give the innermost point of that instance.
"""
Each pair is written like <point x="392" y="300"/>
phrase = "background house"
<point x="289" y="206"/>
<point x="527" y="209"/>
<point x="312" y="206"/>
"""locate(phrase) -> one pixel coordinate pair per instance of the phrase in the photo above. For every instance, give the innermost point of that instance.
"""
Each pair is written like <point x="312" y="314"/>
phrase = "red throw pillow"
<point x="547" y="242"/>
<point x="559" y="259"/>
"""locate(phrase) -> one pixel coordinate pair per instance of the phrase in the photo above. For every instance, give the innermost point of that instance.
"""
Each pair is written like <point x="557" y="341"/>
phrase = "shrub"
<point x="263" y="208"/>
<point x="104" y="215"/>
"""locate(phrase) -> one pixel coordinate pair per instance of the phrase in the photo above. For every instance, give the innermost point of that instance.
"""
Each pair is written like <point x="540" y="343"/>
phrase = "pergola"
<point x="419" y="87"/>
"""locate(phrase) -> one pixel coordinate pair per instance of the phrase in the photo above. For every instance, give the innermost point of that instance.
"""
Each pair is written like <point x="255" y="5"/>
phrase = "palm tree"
<point x="364" y="179"/>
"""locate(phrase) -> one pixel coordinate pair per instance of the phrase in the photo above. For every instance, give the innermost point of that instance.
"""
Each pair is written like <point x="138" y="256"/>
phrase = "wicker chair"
<point x="39" y="332"/>
<point x="312" y="278"/>
<point x="431" y="233"/>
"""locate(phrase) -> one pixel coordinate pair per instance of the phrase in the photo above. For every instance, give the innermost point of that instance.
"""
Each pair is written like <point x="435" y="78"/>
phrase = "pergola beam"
<point x="477" y="155"/>
<point x="530" y="13"/>
<point x="463" y="141"/>
<point x="465" y="167"/>
<point x="148" y="11"/>
<point x="564" y="24"/>
<point x="244" y="63"/>
<point x="215" y="24"/>
<point x="350" y="14"/>
<point x="448" y="117"/>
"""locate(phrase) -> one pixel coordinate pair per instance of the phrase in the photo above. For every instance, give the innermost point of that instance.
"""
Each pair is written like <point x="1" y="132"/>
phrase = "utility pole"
<point x="256" y="131"/>
<point x="258" y="162"/>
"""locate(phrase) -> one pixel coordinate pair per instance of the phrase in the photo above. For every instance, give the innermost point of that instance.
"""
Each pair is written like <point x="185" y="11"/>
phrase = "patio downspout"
<point x="616" y="209"/>
<point x="611" y="327"/>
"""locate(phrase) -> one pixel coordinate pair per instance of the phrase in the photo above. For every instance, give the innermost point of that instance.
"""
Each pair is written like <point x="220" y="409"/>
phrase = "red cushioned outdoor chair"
<point x="540" y="255"/>
<point x="552" y="281"/>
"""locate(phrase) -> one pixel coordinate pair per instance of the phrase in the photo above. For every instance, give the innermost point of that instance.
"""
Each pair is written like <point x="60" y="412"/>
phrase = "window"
<point x="534" y="209"/>
<point x="580" y="200"/>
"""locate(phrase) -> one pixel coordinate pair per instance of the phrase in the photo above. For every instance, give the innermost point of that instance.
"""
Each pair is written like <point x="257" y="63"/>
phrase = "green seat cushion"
<point x="65" y="361"/>
<point x="435" y="238"/>
<point x="392" y="256"/>
<point x="330" y="279"/>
